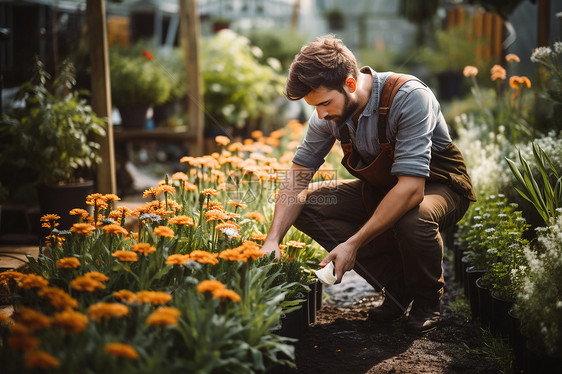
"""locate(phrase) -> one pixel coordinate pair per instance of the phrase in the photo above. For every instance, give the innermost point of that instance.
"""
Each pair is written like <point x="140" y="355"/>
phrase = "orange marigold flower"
<point x="96" y="275"/>
<point x="23" y="342"/>
<point x="216" y="215"/>
<point x="258" y="236"/>
<point x="226" y="187"/>
<point x="121" y="350"/>
<point x="126" y="256"/>
<point x="119" y="212"/>
<point x="49" y="218"/>
<point x="85" y="283"/>
<point x="222" y="140"/>
<point x="227" y="225"/>
<point x="11" y="274"/>
<point x="256" y="134"/>
<point x="154" y="297"/>
<point x="153" y="191"/>
<point x="210" y="285"/>
<point x="148" y="55"/>
<point x="31" y="318"/>
<point x="5" y="320"/>
<point x="470" y="71"/>
<point x="96" y="199"/>
<point x="114" y="229"/>
<point x="164" y="231"/>
<point x="526" y="82"/>
<point x="102" y="310"/>
<point x="79" y="212"/>
<point x="53" y="241"/>
<point x="181" y="220"/>
<point x="166" y="188"/>
<point x="256" y="216"/>
<point x="71" y="322"/>
<point x="180" y="176"/>
<point x="33" y="281"/>
<point x="144" y="248"/>
<point x="210" y="192"/>
<point x="497" y="72"/>
<point x="237" y="204"/>
<point x="177" y="259"/>
<point x="212" y="205"/>
<point x="82" y="228"/>
<point x="68" y="263"/>
<point x="225" y="294"/>
<point x="164" y="316"/>
<point x="189" y="186"/>
<point x="233" y="254"/>
<point x="515" y="82"/>
<point x="59" y="298"/>
<point x="111" y="197"/>
<point x="512" y="57"/>
<point x="41" y="360"/>
<point x="204" y="257"/>
<point x="125" y="295"/>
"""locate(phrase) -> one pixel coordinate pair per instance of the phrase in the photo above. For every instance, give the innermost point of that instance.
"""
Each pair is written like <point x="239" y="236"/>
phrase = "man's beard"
<point x="348" y="109"/>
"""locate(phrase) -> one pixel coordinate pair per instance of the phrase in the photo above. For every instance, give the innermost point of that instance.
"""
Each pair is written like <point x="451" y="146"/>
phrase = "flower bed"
<point x="190" y="291"/>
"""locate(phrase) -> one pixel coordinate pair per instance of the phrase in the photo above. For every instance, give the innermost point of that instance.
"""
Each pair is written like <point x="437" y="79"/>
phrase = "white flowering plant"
<point x="539" y="302"/>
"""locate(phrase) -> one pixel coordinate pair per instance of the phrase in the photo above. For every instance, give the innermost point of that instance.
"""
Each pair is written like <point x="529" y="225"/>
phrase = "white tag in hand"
<point x="327" y="275"/>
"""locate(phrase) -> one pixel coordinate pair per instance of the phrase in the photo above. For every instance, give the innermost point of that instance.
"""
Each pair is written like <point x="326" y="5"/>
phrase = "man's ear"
<point x="351" y="84"/>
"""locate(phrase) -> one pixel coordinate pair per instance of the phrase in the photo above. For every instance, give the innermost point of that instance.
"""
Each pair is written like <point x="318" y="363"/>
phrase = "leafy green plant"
<point x="50" y="133"/>
<point x="546" y="194"/>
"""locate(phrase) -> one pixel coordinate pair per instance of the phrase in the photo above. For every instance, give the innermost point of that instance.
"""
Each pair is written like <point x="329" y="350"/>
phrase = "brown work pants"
<point x="410" y="254"/>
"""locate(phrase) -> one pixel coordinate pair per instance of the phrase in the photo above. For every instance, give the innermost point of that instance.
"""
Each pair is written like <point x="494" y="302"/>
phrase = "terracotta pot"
<point x="472" y="275"/>
<point x="484" y="304"/>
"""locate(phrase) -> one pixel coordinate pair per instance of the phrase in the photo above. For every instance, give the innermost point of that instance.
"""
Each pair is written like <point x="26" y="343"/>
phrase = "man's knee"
<point x="416" y="223"/>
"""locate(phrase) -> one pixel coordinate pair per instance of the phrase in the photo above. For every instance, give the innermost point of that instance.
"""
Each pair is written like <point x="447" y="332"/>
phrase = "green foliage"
<point x="238" y="89"/>
<point x="545" y="194"/>
<point x="549" y="100"/>
<point x="49" y="134"/>
<point x="137" y="80"/>
<point x="282" y="45"/>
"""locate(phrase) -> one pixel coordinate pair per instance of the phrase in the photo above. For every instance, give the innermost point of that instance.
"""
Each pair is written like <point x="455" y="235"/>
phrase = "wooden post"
<point x="189" y="40"/>
<point x="543" y="23"/>
<point x="101" y="92"/>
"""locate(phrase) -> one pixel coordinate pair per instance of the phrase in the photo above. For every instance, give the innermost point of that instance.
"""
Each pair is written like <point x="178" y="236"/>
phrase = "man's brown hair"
<point x="324" y="62"/>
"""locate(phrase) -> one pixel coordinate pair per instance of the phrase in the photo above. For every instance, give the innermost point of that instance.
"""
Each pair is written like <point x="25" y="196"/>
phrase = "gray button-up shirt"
<point x="415" y="123"/>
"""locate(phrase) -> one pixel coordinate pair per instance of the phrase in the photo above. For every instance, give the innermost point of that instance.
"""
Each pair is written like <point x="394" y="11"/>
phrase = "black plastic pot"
<point x="312" y="303"/>
<point x="133" y="118"/>
<point x="517" y="342"/>
<point x="472" y="275"/>
<point x="464" y="265"/>
<point x="536" y="361"/>
<point x="499" y="324"/>
<point x="484" y="304"/>
<point x="459" y="251"/>
<point x="319" y="295"/>
<point x="295" y="324"/>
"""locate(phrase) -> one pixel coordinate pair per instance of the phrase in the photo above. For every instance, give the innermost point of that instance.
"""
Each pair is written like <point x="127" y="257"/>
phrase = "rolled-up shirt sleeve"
<point x="416" y="117"/>
<point x="317" y="143"/>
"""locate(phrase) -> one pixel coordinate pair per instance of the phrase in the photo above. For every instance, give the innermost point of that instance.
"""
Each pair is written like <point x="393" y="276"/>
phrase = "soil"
<point x="342" y="341"/>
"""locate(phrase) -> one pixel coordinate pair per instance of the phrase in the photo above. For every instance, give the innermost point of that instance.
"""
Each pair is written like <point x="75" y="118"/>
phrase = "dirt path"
<point x="343" y="341"/>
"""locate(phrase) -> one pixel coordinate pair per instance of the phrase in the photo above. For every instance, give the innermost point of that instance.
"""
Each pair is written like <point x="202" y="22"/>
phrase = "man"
<point x="413" y="180"/>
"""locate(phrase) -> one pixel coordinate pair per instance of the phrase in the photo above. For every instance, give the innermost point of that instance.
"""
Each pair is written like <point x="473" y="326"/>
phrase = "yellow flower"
<point x="210" y="285"/>
<point x="33" y="281"/>
<point x="470" y="71"/>
<point x="164" y="316"/>
<point x="85" y="283"/>
<point x="71" y="322"/>
<point x="59" y="298"/>
<point x="121" y="350"/>
<point x="225" y="294"/>
<point x="103" y="310"/>
<point x="222" y="140"/>
<point x="32" y="319"/>
<point x="181" y="220"/>
<point x="125" y="295"/>
<point x="150" y="192"/>
<point x="126" y="256"/>
<point x="41" y="360"/>
<point x="256" y="216"/>
<point x="164" y="231"/>
<point x="177" y="259"/>
<point x="68" y="263"/>
<point x="114" y="229"/>
<point x="82" y="228"/>
<point x="204" y="257"/>
<point x="154" y="297"/>
<point x="511" y="57"/>
<point x="144" y="248"/>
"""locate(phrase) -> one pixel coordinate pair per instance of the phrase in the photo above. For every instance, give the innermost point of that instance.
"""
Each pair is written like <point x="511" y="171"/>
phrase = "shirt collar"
<point x="371" y="106"/>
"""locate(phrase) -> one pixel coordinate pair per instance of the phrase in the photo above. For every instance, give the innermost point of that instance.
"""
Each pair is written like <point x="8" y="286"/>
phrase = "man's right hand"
<point x="269" y="247"/>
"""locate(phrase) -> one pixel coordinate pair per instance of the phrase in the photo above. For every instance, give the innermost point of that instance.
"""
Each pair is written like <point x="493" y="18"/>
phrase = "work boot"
<point x="389" y="311"/>
<point x="423" y="317"/>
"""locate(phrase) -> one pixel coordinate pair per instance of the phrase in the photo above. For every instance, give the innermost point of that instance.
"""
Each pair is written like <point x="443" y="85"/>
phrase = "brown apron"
<point x="446" y="166"/>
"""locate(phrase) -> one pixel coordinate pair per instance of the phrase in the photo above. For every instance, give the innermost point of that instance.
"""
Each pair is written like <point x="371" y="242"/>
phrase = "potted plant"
<point x="335" y="18"/>
<point x="173" y="60"/>
<point x="45" y="137"/>
<point x="137" y="83"/>
<point x="220" y="23"/>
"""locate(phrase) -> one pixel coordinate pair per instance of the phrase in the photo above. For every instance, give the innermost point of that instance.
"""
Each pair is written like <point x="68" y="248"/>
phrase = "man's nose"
<point x="321" y="113"/>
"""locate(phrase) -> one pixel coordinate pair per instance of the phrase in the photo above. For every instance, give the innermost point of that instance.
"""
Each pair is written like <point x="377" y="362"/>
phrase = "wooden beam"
<point x="543" y="23"/>
<point x="189" y="39"/>
<point x="101" y="92"/>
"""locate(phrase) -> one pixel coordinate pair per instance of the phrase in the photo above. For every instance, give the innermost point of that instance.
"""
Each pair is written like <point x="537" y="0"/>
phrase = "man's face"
<point x="332" y="105"/>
